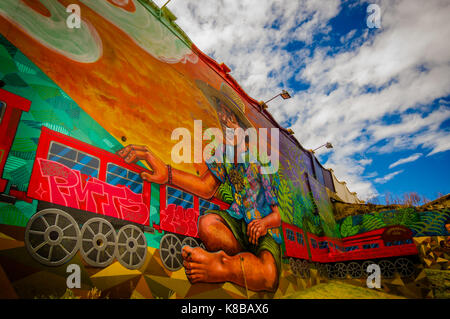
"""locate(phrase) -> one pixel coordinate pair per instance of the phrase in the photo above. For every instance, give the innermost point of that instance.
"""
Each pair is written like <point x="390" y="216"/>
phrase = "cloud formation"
<point x="354" y="91"/>
<point x="408" y="159"/>
<point x="386" y="178"/>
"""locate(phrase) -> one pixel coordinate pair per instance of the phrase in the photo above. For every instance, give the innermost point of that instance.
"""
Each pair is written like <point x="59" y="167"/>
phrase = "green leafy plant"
<point x="372" y="222"/>
<point x="431" y="223"/>
<point x="347" y="228"/>
<point x="225" y="193"/>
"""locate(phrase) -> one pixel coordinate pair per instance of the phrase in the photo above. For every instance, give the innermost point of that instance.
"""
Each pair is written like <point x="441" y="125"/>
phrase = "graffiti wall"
<point x="87" y="162"/>
<point x="428" y="223"/>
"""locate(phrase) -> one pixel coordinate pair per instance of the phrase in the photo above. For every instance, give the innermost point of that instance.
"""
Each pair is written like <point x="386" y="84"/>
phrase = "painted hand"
<point x="134" y="153"/>
<point x="256" y="228"/>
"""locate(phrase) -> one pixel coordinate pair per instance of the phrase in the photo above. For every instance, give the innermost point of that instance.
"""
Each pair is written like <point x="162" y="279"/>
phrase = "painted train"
<point x="90" y="200"/>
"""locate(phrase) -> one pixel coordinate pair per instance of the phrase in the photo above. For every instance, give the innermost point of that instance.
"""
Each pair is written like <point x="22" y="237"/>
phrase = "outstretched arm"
<point x="204" y="186"/>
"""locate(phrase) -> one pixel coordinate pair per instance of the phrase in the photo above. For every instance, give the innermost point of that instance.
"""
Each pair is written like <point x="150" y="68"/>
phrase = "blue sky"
<point x="381" y="96"/>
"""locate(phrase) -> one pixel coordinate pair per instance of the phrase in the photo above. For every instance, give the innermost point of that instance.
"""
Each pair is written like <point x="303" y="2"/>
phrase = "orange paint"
<point x="128" y="6"/>
<point x="37" y="6"/>
<point x="127" y="91"/>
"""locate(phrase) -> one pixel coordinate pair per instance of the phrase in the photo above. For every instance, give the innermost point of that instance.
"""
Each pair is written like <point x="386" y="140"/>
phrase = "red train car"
<point x="11" y="108"/>
<point x="179" y="214"/>
<point x="392" y="248"/>
<point x="76" y="183"/>
<point x="74" y="174"/>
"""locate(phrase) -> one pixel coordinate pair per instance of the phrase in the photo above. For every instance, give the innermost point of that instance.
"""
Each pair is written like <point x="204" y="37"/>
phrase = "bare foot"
<point x="203" y="266"/>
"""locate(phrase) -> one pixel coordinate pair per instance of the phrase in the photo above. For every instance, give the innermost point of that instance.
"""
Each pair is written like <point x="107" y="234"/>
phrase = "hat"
<point x="227" y="96"/>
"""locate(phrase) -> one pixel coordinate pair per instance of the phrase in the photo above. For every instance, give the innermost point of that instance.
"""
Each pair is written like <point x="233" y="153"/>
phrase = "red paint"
<point x="20" y="195"/>
<point x="129" y="6"/>
<point x="176" y="219"/>
<point x="15" y="105"/>
<point x="293" y="247"/>
<point x="331" y="254"/>
<point x="56" y="183"/>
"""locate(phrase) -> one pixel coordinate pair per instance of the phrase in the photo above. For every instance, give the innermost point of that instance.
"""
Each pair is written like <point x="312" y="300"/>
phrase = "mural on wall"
<point x="429" y="223"/>
<point x="96" y="142"/>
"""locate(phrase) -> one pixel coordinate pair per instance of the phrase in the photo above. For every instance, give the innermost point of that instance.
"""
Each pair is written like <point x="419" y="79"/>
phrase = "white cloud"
<point x="386" y="178"/>
<point x="408" y="159"/>
<point x="404" y="66"/>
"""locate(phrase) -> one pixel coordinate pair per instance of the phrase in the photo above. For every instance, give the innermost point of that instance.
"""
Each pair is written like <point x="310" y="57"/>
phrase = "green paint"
<point x="154" y="205"/>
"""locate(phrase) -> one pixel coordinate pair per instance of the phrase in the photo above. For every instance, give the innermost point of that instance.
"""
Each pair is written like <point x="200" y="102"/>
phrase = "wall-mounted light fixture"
<point x="284" y="94"/>
<point x="327" y="145"/>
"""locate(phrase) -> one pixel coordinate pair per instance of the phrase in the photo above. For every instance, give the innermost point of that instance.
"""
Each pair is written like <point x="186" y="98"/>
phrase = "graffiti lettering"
<point x="176" y="219"/>
<point x="70" y="188"/>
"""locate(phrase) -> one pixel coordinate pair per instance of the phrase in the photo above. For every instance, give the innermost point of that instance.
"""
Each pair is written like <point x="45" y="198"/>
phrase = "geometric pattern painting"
<point x="22" y="277"/>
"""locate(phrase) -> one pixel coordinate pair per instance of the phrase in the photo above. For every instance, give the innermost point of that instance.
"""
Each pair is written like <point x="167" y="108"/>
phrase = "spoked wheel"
<point x="405" y="267"/>
<point x="293" y="265"/>
<point x="341" y="270"/>
<point x="305" y="271"/>
<point x="52" y="237"/>
<point x="98" y="243"/>
<point x="364" y="266"/>
<point x="170" y="252"/>
<point x="189" y="241"/>
<point x="299" y="267"/>
<point x="354" y="270"/>
<point x="131" y="247"/>
<point x="331" y="271"/>
<point x="387" y="268"/>
<point x="322" y="270"/>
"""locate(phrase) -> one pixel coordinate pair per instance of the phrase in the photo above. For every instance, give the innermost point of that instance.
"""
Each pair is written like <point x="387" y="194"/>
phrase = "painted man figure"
<point x="242" y="243"/>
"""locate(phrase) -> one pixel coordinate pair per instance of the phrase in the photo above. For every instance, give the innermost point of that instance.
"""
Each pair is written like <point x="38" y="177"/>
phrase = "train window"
<point x="74" y="159"/>
<point x="323" y="245"/>
<point x="205" y="205"/>
<point x="2" y="110"/>
<point x="300" y="238"/>
<point x="398" y="242"/>
<point x="117" y="175"/>
<point x="290" y="235"/>
<point x="179" y="198"/>
<point x="370" y="246"/>
<point x="313" y="243"/>
<point x="351" y="248"/>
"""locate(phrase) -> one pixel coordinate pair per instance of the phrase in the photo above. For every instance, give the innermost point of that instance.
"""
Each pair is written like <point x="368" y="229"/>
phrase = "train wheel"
<point x="293" y="265"/>
<point x="322" y="270"/>
<point x="306" y="269"/>
<point x="364" y="266"/>
<point x="341" y="270"/>
<point x="299" y="266"/>
<point x="131" y="247"/>
<point x="354" y="270"/>
<point x="387" y="268"/>
<point x="52" y="237"/>
<point x="170" y="252"/>
<point x="331" y="271"/>
<point x="98" y="243"/>
<point x="405" y="267"/>
<point x="189" y="241"/>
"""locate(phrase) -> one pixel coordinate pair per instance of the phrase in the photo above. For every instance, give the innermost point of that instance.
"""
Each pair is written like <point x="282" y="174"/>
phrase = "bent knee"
<point x="270" y="271"/>
<point x="207" y="224"/>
